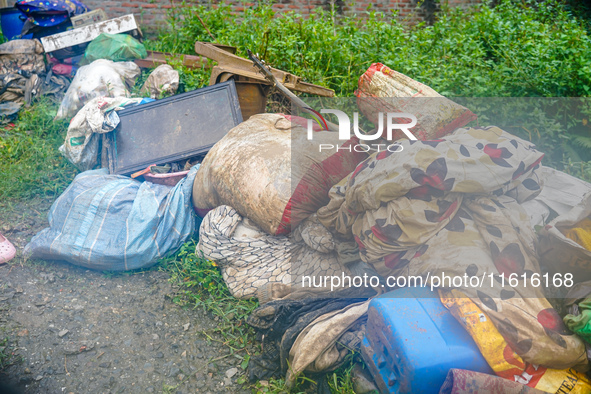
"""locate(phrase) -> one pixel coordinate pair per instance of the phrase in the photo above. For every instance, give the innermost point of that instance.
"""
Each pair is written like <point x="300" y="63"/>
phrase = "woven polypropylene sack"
<point x="383" y="90"/>
<point x="116" y="223"/>
<point x="255" y="170"/>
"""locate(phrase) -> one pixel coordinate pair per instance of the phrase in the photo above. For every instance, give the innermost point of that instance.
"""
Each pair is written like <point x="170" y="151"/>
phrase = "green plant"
<point x="7" y="355"/>
<point x="202" y="286"/>
<point x="528" y="48"/>
<point x="515" y="49"/>
<point x="30" y="163"/>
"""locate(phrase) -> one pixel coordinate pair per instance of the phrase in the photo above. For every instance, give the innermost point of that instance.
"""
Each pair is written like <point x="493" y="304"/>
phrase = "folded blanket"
<point x="451" y="207"/>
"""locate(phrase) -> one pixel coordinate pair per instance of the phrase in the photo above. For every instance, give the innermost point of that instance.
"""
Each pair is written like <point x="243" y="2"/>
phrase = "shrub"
<point x="528" y="48"/>
<point x="516" y="49"/>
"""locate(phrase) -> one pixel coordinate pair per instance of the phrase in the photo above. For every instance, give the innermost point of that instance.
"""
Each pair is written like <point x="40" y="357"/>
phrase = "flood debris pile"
<point x="432" y="259"/>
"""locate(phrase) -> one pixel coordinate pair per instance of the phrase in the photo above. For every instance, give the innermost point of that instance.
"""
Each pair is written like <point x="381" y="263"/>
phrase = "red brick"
<point x="407" y="9"/>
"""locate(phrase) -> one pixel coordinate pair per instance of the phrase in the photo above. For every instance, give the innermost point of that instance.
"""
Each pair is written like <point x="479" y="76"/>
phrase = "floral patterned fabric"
<point x="50" y="13"/>
<point x="460" y="381"/>
<point x="452" y="207"/>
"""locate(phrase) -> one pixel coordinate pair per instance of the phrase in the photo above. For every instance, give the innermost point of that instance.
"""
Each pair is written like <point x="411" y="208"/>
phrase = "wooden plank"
<point x="81" y="35"/>
<point x="155" y="59"/>
<point x="231" y="64"/>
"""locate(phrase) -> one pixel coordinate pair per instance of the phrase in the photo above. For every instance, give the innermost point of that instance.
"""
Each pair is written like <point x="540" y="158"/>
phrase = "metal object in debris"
<point x="172" y="129"/>
<point x="88" y="18"/>
<point x="85" y="34"/>
<point x="235" y="65"/>
<point x="242" y="71"/>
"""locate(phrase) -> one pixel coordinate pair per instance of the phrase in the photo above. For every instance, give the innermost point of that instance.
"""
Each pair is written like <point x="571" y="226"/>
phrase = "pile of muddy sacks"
<point x="279" y="214"/>
<point x="105" y="221"/>
<point x="288" y="222"/>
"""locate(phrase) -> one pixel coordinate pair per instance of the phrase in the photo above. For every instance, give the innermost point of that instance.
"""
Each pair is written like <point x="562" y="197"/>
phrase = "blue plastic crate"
<point x="412" y="341"/>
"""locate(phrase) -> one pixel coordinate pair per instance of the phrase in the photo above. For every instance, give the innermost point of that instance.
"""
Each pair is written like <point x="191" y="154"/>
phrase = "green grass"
<point x="7" y="355"/>
<point x="30" y="164"/>
<point x="202" y="286"/>
<point x="520" y="48"/>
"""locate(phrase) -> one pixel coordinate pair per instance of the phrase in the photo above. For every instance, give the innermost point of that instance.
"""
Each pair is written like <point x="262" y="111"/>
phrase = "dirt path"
<point x="73" y="330"/>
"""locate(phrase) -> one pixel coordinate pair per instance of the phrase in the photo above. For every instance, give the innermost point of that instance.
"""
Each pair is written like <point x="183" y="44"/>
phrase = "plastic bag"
<point x="82" y="142"/>
<point x="116" y="47"/>
<point x="100" y="78"/>
<point x="115" y="223"/>
<point x="163" y="80"/>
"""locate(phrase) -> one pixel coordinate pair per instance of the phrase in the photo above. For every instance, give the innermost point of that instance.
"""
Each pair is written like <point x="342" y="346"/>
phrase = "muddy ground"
<point x="73" y="330"/>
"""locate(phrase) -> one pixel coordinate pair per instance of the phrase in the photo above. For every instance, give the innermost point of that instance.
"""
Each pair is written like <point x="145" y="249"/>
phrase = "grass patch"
<point x="7" y="355"/>
<point x="202" y="286"/>
<point x="30" y="163"/>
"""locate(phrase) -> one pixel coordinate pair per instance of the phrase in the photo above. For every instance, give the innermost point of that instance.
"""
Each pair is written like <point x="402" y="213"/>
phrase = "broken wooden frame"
<point x="252" y="87"/>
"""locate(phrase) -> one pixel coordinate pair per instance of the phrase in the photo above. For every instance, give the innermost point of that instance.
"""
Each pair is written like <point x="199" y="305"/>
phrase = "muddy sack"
<point x="383" y="90"/>
<point x="563" y="254"/>
<point x="268" y="171"/>
<point x="115" y="223"/>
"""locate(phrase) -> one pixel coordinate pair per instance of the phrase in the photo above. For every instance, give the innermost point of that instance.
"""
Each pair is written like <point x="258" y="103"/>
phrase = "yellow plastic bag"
<point x="581" y="233"/>
<point x="502" y="359"/>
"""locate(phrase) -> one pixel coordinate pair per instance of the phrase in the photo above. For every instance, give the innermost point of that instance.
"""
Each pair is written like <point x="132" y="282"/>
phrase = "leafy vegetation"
<point x="30" y="163"/>
<point x="515" y="49"/>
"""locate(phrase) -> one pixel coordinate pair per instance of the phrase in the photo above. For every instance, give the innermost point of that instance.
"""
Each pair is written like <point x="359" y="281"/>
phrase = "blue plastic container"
<point x="12" y="21"/>
<point x="412" y="341"/>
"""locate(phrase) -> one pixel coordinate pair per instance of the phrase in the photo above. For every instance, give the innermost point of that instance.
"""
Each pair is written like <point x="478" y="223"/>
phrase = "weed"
<point x="515" y="49"/>
<point x="202" y="286"/>
<point x="30" y="162"/>
<point x="7" y="355"/>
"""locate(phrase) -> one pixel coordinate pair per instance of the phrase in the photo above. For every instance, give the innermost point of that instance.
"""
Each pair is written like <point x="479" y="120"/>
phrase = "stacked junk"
<point x="270" y="209"/>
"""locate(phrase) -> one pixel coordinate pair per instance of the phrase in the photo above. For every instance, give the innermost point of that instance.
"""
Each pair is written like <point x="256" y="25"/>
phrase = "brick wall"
<point x="152" y="13"/>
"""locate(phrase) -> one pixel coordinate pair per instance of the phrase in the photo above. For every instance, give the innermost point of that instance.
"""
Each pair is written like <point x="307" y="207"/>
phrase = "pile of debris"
<point x="321" y="225"/>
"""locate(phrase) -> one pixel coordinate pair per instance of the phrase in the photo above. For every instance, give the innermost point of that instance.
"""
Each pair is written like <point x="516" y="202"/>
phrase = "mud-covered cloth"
<point x="460" y="381"/>
<point x="451" y="207"/>
<point x="279" y="323"/>
<point x="22" y="72"/>
<point x="251" y="259"/>
<point x="24" y="56"/>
